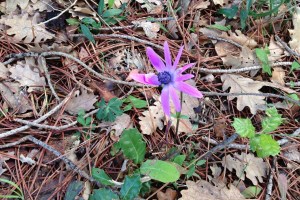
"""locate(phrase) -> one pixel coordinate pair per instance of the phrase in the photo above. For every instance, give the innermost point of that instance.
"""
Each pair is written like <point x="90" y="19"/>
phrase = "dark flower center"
<point x="164" y="77"/>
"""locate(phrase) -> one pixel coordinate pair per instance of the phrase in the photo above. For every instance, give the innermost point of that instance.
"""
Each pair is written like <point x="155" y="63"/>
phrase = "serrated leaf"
<point x="251" y="192"/>
<point x="131" y="187"/>
<point x="87" y="33"/>
<point x="73" y="190"/>
<point x="160" y="170"/>
<point x="112" y="12"/>
<point x="103" y="194"/>
<point x="132" y="145"/>
<point x="262" y="55"/>
<point x="101" y="176"/>
<point x="272" y="122"/>
<point x="109" y="112"/>
<point x="244" y="127"/>
<point x="264" y="145"/>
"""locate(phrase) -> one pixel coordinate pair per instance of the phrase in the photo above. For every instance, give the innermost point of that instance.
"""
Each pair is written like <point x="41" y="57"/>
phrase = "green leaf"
<point x="294" y="96"/>
<point x="103" y="194"/>
<point x="272" y="121"/>
<point x="160" y="170"/>
<point x="262" y="55"/>
<point x="87" y="33"/>
<point x="295" y="66"/>
<point x="111" y="3"/>
<point x="131" y="187"/>
<point x="243" y="127"/>
<point x="127" y="107"/>
<point x="220" y="27"/>
<point x="18" y="190"/>
<point x="191" y="171"/>
<point x="251" y="192"/>
<point x="243" y="17"/>
<point x="73" y="22"/>
<point x="109" y="112"/>
<point x="73" y="190"/>
<point x="101" y="7"/>
<point x="81" y="120"/>
<point x="264" y="145"/>
<point x="179" y="159"/>
<point x="132" y="145"/>
<point x="101" y="176"/>
<point x="200" y="162"/>
<point x="136" y="102"/>
<point x="111" y="13"/>
<point x="229" y="12"/>
<point x="88" y="20"/>
<point x="146" y="188"/>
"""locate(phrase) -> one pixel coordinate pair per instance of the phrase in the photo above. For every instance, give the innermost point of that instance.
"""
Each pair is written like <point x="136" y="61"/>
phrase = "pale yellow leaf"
<point x="203" y="190"/>
<point x="276" y="51"/>
<point x="278" y="75"/>
<point x="150" y="28"/>
<point x="120" y="124"/>
<point x="220" y="2"/>
<point x="254" y="167"/>
<point x="201" y="4"/>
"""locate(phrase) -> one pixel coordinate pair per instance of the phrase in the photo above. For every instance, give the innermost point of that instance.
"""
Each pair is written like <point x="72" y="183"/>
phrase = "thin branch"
<point x="127" y="37"/>
<point x="44" y="65"/>
<point x="57" y="16"/>
<point x="42" y="118"/>
<point x="224" y="40"/>
<point x="270" y="182"/>
<point x="292" y="52"/>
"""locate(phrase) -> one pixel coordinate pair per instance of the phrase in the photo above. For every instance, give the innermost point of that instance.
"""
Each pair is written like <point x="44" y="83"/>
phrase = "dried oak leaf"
<point x="240" y="84"/>
<point x="4" y="158"/>
<point x="295" y="33"/>
<point x="254" y="167"/>
<point x="276" y="51"/>
<point x="152" y="119"/>
<point x="27" y="77"/>
<point x="84" y="101"/>
<point x="3" y="72"/>
<point x="168" y="195"/>
<point x="11" y="5"/>
<point x="120" y="124"/>
<point x="291" y="152"/>
<point x="278" y="75"/>
<point x="22" y="27"/>
<point x="236" y="36"/>
<point x="14" y="99"/>
<point x="206" y="191"/>
<point x="150" y="28"/>
<point x="202" y="4"/>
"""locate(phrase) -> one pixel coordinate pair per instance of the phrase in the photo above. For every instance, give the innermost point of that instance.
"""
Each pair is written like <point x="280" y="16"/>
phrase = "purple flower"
<point x="170" y="77"/>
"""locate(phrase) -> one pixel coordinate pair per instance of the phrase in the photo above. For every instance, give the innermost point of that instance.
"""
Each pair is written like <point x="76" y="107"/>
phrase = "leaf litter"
<point x="25" y="94"/>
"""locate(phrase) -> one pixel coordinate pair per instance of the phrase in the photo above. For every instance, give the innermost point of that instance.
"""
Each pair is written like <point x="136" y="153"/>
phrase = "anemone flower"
<point x="169" y="77"/>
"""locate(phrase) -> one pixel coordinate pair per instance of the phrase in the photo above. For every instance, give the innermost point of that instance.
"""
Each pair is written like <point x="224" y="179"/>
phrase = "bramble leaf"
<point x="101" y="176"/>
<point x="264" y="145"/>
<point x="272" y="121"/>
<point x="262" y="55"/>
<point x="244" y="127"/>
<point x="132" y="145"/>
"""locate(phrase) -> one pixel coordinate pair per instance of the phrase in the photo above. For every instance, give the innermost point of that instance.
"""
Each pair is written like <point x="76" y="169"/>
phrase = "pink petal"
<point x="167" y="55"/>
<point x="186" y="88"/>
<point x="148" y="79"/>
<point x="184" y="77"/>
<point x="184" y="68"/>
<point x="165" y="101"/>
<point x="155" y="59"/>
<point x="177" y="58"/>
<point x="175" y="98"/>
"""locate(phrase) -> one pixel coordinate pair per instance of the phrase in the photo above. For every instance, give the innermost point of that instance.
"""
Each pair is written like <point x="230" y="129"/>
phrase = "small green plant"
<point x="16" y="194"/>
<point x="262" y="55"/>
<point x="263" y="143"/>
<point x="134" y="102"/>
<point x="84" y="121"/>
<point x="109" y="112"/>
<point x="133" y="147"/>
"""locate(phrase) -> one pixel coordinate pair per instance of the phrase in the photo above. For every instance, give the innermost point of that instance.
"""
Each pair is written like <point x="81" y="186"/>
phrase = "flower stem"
<point x="178" y="114"/>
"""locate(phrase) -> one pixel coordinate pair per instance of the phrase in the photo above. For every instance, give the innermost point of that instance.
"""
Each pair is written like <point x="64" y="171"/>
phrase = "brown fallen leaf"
<point x="294" y="33"/>
<point x="200" y="4"/>
<point x="278" y="75"/>
<point x="152" y="6"/>
<point x="254" y="167"/>
<point x="276" y="51"/>
<point x="84" y="101"/>
<point x="150" y="28"/>
<point x="3" y="72"/>
<point x="120" y="124"/>
<point x="220" y="127"/>
<point x="26" y="76"/>
<point x="25" y="29"/>
<point x="206" y="191"/>
<point x="11" y="5"/>
<point x="282" y="185"/>
<point x="4" y="157"/>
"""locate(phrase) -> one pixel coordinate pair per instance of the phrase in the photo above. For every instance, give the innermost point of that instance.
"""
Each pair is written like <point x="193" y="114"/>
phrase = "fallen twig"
<point x="292" y="52"/>
<point x="270" y="181"/>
